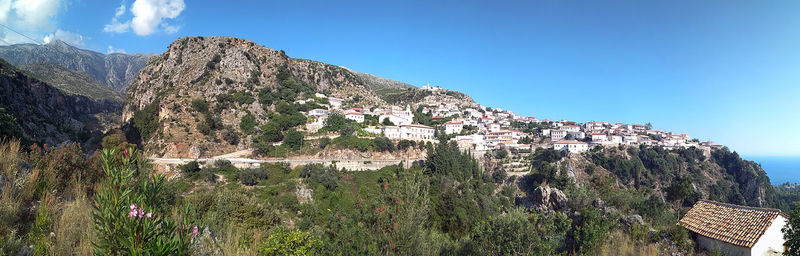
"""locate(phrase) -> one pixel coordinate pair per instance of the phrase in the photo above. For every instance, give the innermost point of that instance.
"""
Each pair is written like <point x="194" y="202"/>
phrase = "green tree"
<point x="335" y="122"/>
<point x="293" y="139"/>
<point x="384" y="144"/>
<point x="248" y="124"/>
<point x="146" y="120"/>
<point x="791" y="232"/>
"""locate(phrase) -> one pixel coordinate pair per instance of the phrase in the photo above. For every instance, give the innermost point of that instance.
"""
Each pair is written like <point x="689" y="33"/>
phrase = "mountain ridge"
<point x="115" y="70"/>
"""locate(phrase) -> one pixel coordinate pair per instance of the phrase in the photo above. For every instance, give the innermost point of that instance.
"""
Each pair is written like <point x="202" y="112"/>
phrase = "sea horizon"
<point x="779" y="169"/>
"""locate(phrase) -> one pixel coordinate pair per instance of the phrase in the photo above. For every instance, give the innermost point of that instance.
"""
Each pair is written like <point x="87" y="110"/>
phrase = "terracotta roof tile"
<point x="734" y="224"/>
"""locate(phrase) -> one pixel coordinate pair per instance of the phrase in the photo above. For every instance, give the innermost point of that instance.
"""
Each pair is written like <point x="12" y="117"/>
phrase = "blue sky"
<point x="725" y="71"/>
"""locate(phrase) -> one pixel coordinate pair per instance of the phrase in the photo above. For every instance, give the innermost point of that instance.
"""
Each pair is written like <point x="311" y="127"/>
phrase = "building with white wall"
<point x="317" y="112"/>
<point x="453" y="127"/>
<point x="736" y="229"/>
<point x="556" y="135"/>
<point x="416" y="132"/>
<point x="355" y="116"/>
<point x="571" y="145"/>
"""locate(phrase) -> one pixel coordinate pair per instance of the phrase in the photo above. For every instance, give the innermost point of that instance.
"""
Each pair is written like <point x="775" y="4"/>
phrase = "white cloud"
<point x="148" y="17"/>
<point x="116" y="26"/>
<point x="5" y="10"/>
<point x="37" y="22"/>
<point x="70" y="38"/>
<point x="111" y="50"/>
<point x="35" y="14"/>
<point x="170" y="29"/>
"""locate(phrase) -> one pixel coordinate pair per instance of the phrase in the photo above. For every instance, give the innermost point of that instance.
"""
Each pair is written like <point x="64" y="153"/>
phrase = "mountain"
<point x="45" y="114"/>
<point x="116" y="70"/>
<point x="72" y="82"/>
<point x="238" y="78"/>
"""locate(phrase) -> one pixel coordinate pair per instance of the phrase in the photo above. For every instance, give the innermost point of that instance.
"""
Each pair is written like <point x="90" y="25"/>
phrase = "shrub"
<point x="231" y="136"/>
<point x="404" y="144"/>
<point x="123" y="215"/>
<point x="8" y="126"/>
<point x="323" y="142"/>
<point x="383" y="144"/>
<point x="146" y="120"/>
<point x="501" y="153"/>
<point x="252" y="176"/>
<point x="293" y="139"/>
<point x="199" y="105"/>
<point x="190" y="168"/>
<point x="247" y="124"/>
<point x="327" y="176"/>
<point x="289" y="243"/>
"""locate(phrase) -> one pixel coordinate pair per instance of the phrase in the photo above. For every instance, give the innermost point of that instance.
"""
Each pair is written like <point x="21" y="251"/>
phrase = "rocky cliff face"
<point x="47" y="115"/>
<point x="115" y="70"/>
<point x="218" y="68"/>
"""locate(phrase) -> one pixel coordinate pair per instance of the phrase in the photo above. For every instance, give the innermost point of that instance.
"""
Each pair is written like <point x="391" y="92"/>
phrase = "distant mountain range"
<point x="116" y="70"/>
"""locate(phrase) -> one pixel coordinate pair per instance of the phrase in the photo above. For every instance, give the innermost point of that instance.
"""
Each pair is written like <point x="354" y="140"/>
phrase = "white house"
<point x="317" y="112"/>
<point x="599" y="137"/>
<point x="355" y="116"/>
<point x="736" y="229"/>
<point x="493" y="127"/>
<point x="556" y="135"/>
<point x="571" y="128"/>
<point x="392" y="132"/>
<point x="571" y="145"/>
<point x="416" y="132"/>
<point x="453" y="127"/>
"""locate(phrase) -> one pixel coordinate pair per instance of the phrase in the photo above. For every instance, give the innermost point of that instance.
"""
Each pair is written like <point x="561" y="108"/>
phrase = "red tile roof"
<point x="734" y="224"/>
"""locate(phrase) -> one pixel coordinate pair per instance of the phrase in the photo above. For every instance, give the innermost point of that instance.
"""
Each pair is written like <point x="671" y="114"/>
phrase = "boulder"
<point x="631" y="220"/>
<point x="546" y="198"/>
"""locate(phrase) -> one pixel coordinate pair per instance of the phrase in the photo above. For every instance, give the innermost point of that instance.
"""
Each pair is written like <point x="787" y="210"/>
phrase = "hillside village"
<point x="479" y="128"/>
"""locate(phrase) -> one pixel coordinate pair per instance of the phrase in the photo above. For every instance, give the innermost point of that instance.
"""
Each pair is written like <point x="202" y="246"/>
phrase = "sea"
<point x="780" y="169"/>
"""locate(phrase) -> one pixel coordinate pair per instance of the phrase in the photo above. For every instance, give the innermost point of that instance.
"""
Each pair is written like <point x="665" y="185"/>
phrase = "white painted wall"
<point x="723" y="247"/>
<point x="772" y="238"/>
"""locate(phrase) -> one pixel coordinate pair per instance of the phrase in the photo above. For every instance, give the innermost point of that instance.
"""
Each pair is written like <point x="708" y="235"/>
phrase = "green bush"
<point x="293" y="139"/>
<point x="383" y="144"/>
<point x="190" y="168"/>
<point x="323" y="142"/>
<point x="353" y="142"/>
<point x="248" y="124"/>
<point x="199" y="105"/>
<point x="231" y="136"/>
<point x="129" y="218"/>
<point x="289" y="243"/>
<point x="327" y="176"/>
<point x="252" y="176"/>
<point x="146" y="120"/>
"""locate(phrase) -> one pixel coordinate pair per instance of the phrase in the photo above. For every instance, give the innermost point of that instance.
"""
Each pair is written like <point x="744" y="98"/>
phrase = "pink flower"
<point x="133" y="206"/>
<point x="141" y="212"/>
<point x="194" y="231"/>
<point x="149" y="215"/>
<point x="126" y="153"/>
<point x="132" y="214"/>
